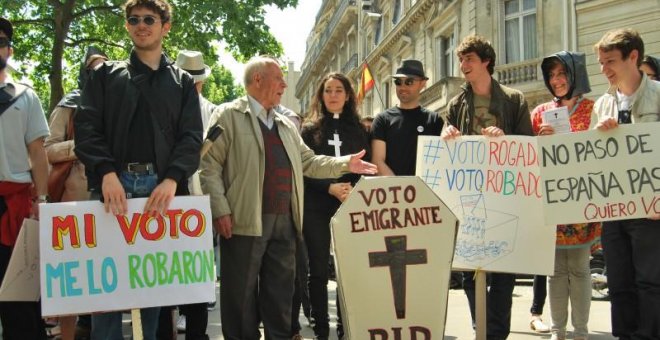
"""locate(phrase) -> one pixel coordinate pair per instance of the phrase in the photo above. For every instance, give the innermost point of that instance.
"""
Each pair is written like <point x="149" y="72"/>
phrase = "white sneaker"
<point x="537" y="325"/>
<point x="181" y="324"/>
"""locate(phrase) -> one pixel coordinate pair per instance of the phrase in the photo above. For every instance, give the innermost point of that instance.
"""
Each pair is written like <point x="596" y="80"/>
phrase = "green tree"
<point x="51" y="35"/>
<point x="219" y="87"/>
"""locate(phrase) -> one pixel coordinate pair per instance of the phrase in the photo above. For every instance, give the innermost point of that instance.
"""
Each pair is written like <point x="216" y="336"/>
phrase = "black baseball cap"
<point x="5" y="26"/>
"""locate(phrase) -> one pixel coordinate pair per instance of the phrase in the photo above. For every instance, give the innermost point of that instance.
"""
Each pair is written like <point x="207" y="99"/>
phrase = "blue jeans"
<point x="138" y="185"/>
<point x="108" y="326"/>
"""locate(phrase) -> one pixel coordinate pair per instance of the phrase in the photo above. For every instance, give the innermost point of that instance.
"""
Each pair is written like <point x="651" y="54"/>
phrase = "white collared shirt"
<point x="267" y="117"/>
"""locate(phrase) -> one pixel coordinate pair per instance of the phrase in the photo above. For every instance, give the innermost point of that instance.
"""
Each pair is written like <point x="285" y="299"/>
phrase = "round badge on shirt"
<point x="420" y="129"/>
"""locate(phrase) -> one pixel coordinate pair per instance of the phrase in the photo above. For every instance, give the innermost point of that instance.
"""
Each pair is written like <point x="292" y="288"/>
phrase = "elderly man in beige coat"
<point x="254" y="175"/>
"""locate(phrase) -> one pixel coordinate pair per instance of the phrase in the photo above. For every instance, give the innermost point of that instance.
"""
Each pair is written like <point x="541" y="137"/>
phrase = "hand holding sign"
<point x="160" y="198"/>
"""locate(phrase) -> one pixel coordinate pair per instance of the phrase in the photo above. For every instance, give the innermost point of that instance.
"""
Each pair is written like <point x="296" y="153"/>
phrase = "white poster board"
<point x="493" y="186"/>
<point x="601" y="176"/>
<point x="393" y="241"/>
<point x="21" y="282"/>
<point x="94" y="261"/>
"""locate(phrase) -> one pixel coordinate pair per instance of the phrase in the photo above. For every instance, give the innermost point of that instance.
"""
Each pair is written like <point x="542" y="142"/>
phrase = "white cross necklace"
<point x="336" y="143"/>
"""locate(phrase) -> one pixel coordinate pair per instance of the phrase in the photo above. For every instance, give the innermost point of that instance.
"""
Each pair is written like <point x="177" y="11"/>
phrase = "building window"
<point x="367" y="45"/>
<point x="379" y="30"/>
<point x="386" y="94"/>
<point x="520" y="30"/>
<point x="445" y="56"/>
<point x="398" y="11"/>
<point x="448" y="54"/>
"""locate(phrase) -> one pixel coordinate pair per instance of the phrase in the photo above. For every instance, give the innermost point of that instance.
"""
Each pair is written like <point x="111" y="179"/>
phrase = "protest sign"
<point x="21" y="281"/>
<point x="493" y="186"/>
<point x="393" y="242"/>
<point x="601" y="176"/>
<point x="94" y="261"/>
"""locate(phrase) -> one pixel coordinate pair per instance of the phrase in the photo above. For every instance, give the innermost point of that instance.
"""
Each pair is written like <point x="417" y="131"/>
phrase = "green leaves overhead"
<point x="51" y="35"/>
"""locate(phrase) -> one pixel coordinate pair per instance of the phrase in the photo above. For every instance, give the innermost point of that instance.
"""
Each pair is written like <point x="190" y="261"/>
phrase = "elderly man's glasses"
<point x="407" y="81"/>
<point x="4" y="42"/>
<point x="147" y="19"/>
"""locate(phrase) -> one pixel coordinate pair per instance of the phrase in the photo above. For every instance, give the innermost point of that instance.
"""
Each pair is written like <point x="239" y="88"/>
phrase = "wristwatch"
<point x="42" y="199"/>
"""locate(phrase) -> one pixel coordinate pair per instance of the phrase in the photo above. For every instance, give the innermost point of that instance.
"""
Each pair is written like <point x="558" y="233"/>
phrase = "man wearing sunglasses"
<point x="138" y="132"/>
<point x="395" y="131"/>
<point x="23" y="168"/>
<point x="485" y="107"/>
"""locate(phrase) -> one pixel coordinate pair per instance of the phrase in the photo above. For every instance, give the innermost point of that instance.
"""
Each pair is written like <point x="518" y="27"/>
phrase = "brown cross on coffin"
<point x="397" y="258"/>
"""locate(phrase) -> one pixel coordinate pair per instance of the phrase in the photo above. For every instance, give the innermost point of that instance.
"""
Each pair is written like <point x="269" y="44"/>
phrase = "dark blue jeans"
<point x="498" y="302"/>
<point x="633" y="277"/>
<point x="138" y="185"/>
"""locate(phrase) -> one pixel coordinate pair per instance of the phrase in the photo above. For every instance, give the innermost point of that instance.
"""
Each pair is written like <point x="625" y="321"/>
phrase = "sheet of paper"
<point x="558" y="119"/>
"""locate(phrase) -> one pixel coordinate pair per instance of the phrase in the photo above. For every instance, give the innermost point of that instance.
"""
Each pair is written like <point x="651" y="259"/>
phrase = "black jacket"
<point x="354" y="139"/>
<point x="108" y="104"/>
<point x="507" y="104"/>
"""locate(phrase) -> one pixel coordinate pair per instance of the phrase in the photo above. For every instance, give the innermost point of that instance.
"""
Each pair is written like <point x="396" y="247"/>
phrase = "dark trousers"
<point x="20" y="320"/>
<point x="498" y="302"/>
<point x="258" y="281"/>
<point x="197" y="318"/>
<point x="540" y="293"/>
<point x="631" y="249"/>
<point x="301" y="292"/>
<point x="317" y="238"/>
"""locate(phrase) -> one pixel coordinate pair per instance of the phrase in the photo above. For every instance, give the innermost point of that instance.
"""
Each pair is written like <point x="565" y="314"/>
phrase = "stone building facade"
<point x="384" y="32"/>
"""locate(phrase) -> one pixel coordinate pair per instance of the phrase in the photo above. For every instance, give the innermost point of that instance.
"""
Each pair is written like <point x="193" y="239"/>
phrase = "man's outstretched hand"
<point x="358" y="166"/>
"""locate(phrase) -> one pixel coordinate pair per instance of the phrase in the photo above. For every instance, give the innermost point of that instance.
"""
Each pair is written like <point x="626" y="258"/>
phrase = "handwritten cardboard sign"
<point x="601" y="176"/>
<point x="494" y="188"/>
<point x="21" y="281"/>
<point x="94" y="261"/>
<point x="393" y="240"/>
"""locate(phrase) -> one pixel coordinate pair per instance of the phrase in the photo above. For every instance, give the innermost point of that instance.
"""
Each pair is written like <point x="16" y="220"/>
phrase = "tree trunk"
<point x="63" y="15"/>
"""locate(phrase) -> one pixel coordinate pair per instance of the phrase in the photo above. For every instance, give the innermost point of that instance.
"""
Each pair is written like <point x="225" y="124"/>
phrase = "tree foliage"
<point x="51" y="35"/>
<point x="219" y="87"/>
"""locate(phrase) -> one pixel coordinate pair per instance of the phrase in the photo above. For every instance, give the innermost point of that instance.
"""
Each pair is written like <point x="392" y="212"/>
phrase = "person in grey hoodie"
<point x="565" y="75"/>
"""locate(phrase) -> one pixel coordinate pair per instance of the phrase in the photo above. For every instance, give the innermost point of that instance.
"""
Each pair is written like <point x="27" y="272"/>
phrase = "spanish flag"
<point x="366" y="82"/>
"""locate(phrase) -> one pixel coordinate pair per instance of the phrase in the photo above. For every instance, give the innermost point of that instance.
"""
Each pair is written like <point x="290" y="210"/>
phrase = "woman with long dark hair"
<point x="333" y="128"/>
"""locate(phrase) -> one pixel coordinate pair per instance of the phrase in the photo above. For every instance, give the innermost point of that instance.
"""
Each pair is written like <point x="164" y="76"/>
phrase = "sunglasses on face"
<point x="147" y="19"/>
<point x="4" y="42"/>
<point x="407" y="81"/>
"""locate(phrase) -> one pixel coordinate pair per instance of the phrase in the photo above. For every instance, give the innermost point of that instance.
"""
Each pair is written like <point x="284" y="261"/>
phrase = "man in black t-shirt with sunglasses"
<point x="395" y="131"/>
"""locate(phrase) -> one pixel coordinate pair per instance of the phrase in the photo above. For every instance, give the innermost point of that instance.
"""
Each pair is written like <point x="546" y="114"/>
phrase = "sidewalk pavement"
<point x="458" y="324"/>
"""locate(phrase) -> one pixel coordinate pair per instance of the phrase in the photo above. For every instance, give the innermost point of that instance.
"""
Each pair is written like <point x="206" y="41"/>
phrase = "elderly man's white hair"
<point x="256" y="64"/>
